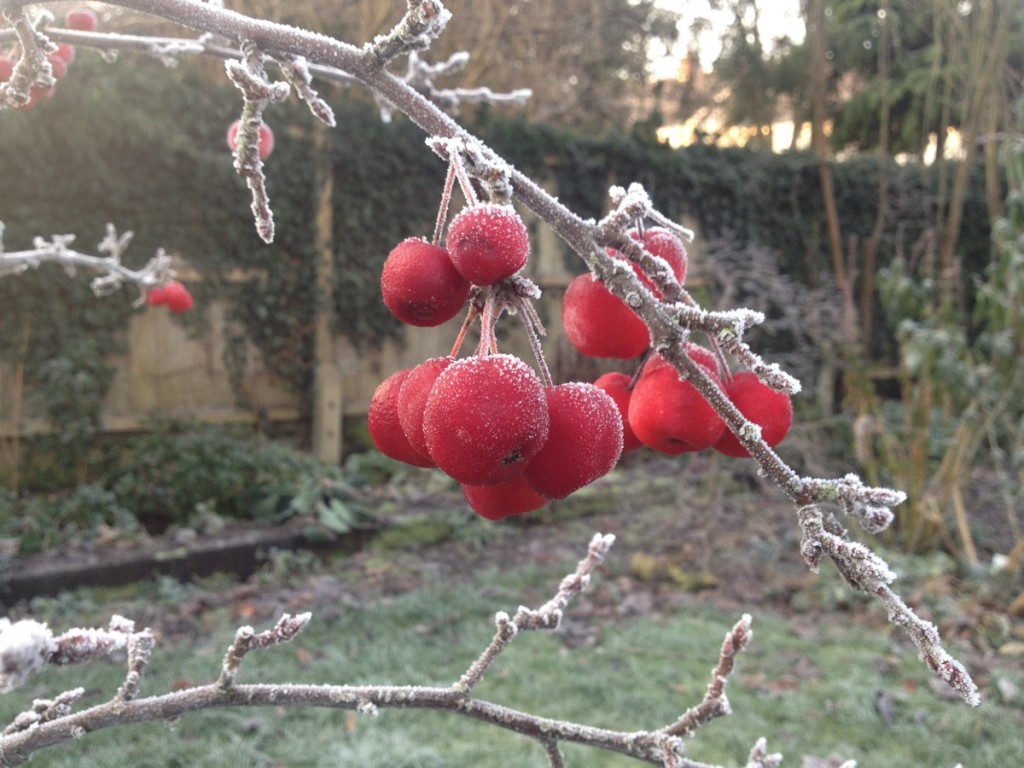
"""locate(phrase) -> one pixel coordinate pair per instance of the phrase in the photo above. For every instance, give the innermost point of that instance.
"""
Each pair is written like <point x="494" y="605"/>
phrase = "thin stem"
<point x="442" y="209"/>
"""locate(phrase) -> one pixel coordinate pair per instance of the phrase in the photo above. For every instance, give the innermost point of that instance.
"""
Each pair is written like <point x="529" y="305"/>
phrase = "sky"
<point x="778" y="17"/>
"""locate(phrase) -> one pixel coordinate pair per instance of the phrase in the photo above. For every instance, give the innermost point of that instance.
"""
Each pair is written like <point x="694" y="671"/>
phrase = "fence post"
<point x="327" y="387"/>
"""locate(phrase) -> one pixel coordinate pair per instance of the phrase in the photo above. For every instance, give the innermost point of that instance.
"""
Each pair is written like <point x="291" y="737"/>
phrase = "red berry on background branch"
<point x="177" y="297"/>
<point x="598" y="323"/>
<point x="58" y="66"/>
<point x="485" y="418"/>
<point x="266" y="138"/>
<point x="420" y="285"/>
<point x="496" y="502"/>
<point x="66" y="52"/>
<point x="488" y="243"/>
<point x="6" y="68"/>
<point x="584" y="440"/>
<point x="384" y="426"/>
<point x="769" y="408"/>
<point x="81" y="19"/>
<point x="156" y="297"/>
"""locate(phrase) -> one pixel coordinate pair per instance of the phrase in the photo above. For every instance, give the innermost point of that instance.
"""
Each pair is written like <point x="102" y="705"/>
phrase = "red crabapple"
<point x="156" y="296"/>
<point x="266" y="139"/>
<point x="769" y="408"/>
<point x="81" y="19"/>
<point x="58" y="66"/>
<point x="488" y="243"/>
<point x="177" y="297"/>
<point x="384" y="427"/>
<point x="6" y="68"/>
<point x="662" y="242"/>
<point x="486" y="417"/>
<point x="496" y="502"/>
<point x="412" y="399"/>
<point x="584" y="440"/>
<point x="669" y="415"/>
<point x="598" y="323"/>
<point x="420" y="285"/>
<point x="66" y="52"/>
<point x="616" y="385"/>
<point x="700" y="355"/>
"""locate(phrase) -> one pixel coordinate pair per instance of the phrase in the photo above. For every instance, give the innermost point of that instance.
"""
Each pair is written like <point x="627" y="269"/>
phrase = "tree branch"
<point x="26" y="646"/>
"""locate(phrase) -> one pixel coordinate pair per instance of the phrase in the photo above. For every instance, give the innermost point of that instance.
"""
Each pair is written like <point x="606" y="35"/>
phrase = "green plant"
<point x="962" y="385"/>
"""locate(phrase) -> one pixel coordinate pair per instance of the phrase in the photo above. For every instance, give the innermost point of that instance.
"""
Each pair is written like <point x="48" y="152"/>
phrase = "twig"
<point x="52" y="722"/>
<point x="112" y="273"/>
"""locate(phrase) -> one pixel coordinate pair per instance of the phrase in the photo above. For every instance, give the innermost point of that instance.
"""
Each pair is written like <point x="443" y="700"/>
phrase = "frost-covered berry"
<point x="670" y="415"/>
<point x="598" y="323"/>
<point x="584" y="440"/>
<point x="485" y="418"/>
<point x="616" y="386"/>
<point x="384" y="426"/>
<point x="420" y="285"/>
<point x="488" y="243"/>
<point x="412" y="399"/>
<point x="496" y="502"/>
<point x="770" y="409"/>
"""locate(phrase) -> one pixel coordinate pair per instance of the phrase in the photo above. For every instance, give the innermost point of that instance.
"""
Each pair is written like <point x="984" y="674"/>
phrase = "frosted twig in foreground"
<point x="27" y="646"/>
<point x="548" y="616"/>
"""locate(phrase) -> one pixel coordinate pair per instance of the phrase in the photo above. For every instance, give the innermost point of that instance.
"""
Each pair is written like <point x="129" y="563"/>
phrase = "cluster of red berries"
<point x="173" y="295"/>
<point x="266" y="139"/>
<point x="667" y="413"/>
<point x="511" y="441"/>
<point x="659" y="408"/>
<point x="81" y="19"/>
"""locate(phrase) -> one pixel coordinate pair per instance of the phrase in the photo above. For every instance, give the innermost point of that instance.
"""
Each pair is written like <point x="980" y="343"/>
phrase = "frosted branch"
<point x="421" y="74"/>
<point x="423" y="22"/>
<point x="247" y="640"/>
<point x="112" y="274"/>
<point x="715" y="702"/>
<point x="25" y="647"/>
<point x="32" y="69"/>
<point x="250" y="77"/>
<point x="296" y="71"/>
<point x="51" y="722"/>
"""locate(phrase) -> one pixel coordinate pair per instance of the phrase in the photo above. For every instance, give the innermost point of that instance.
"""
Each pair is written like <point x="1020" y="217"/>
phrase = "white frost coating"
<point x="24" y="648"/>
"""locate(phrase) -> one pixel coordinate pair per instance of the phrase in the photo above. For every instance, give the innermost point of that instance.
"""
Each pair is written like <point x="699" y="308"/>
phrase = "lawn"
<point x="633" y="653"/>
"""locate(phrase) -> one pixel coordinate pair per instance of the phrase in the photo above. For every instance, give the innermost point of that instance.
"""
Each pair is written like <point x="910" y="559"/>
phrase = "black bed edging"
<point x="240" y="554"/>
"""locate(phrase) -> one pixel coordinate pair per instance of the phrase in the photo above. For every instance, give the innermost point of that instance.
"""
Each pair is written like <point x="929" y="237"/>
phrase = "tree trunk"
<point x="986" y="59"/>
<point x="819" y="75"/>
